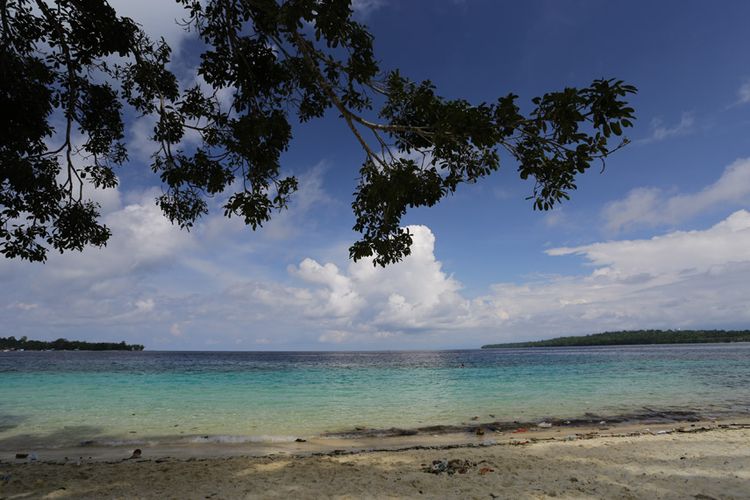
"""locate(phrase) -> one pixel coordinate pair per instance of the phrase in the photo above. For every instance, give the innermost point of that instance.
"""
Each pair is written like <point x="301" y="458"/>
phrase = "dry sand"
<point x="622" y="462"/>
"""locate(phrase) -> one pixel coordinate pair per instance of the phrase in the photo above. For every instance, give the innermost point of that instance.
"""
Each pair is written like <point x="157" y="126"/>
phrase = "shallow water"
<point x="64" y="398"/>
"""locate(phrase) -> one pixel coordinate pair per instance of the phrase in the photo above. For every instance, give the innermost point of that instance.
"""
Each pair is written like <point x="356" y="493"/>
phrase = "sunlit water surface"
<point x="64" y="398"/>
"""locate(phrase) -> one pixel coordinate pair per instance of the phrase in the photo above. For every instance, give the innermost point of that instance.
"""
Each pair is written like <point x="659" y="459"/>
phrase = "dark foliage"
<point x="638" y="337"/>
<point x="68" y="68"/>
<point x="65" y="345"/>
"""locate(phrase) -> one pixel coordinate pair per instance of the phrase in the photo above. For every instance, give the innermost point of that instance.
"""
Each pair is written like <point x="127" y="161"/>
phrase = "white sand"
<point x="701" y="465"/>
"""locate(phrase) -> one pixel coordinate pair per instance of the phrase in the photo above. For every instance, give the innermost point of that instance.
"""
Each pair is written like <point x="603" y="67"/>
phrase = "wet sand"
<point x="700" y="460"/>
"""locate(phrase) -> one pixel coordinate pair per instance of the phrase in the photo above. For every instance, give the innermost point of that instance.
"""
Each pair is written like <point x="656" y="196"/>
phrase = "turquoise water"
<point x="64" y="398"/>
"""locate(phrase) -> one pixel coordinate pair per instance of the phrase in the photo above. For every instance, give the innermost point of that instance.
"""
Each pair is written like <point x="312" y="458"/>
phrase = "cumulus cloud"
<point x="681" y="279"/>
<point x="99" y="287"/>
<point x="672" y="254"/>
<point x="159" y="286"/>
<point x="412" y="295"/>
<point x="650" y="207"/>
<point x="142" y="238"/>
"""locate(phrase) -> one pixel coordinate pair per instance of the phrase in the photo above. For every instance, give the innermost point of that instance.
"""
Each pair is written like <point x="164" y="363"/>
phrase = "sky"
<point x="660" y="239"/>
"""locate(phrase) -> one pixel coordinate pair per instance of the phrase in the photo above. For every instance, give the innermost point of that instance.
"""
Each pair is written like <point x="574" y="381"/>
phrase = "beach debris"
<point x="570" y="437"/>
<point x="450" y="467"/>
<point x="520" y="429"/>
<point x="492" y="416"/>
<point x="567" y="422"/>
<point x="5" y="478"/>
<point x="485" y="470"/>
<point x="519" y="442"/>
<point x="480" y="431"/>
<point x="33" y="457"/>
<point x="136" y="454"/>
<point x="544" y="425"/>
<point x="437" y="467"/>
<point x="603" y="422"/>
<point x="300" y="440"/>
<point x="21" y="456"/>
<point x="475" y="417"/>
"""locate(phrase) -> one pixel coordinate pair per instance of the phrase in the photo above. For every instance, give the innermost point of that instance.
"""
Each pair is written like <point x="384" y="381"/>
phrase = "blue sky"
<point x="661" y="239"/>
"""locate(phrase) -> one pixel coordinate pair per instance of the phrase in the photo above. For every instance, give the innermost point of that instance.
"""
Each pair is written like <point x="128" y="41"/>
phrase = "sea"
<point x="62" y="399"/>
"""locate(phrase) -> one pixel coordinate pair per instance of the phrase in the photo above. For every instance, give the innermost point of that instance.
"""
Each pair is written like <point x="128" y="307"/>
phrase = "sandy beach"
<point x="692" y="460"/>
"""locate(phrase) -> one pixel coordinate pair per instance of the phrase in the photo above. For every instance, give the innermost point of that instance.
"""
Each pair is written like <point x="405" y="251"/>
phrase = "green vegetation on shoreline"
<point x="13" y="344"/>
<point x="636" y="337"/>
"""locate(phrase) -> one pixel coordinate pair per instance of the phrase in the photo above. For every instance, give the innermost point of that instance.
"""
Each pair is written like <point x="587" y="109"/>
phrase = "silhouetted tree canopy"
<point x="69" y="69"/>
<point x="25" y="344"/>
<point x="636" y="337"/>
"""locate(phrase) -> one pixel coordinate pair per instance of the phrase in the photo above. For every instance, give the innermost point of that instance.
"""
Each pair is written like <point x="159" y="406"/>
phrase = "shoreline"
<point x="473" y="434"/>
<point x="704" y="460"/>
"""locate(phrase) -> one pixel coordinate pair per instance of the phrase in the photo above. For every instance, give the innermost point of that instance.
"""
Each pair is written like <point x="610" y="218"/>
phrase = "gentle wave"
<point x="228" y="439"/>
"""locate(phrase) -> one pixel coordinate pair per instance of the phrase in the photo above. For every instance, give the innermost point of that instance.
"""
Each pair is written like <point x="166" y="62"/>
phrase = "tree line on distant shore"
<point x="12" y="343"/>
<point x="635" y="337"/>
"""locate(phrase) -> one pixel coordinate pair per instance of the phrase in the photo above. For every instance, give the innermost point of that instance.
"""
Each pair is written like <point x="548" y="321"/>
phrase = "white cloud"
<point x="289" y="222"/>
<point x="158" y="19"/>
<point x="144" y="305"/>
<point x="334" y="336"/>
<point x="153" y="280"/>
<point x="340" y="298"/>
<point x="366" y="7"/>
<point x="653" y="207"/>
<point x="412" y="295"/>
<point x="660" y="131"/>
<point x="555" y="218"/>
<point x="682" y="279"/>
<point x="175" y="330"/>
<point x="671" y="254"/>
<point x="23" y="306"/>
<point x="743" y="93"/>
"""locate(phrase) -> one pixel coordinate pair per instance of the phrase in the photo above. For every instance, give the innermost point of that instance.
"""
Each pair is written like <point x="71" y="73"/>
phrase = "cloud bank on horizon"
<point x="679" y="279"/>
<point x="662" y="240"/>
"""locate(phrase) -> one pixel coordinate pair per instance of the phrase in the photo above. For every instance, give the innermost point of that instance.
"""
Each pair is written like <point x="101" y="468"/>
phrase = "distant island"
<point x="24" y="344"/>
<point x="635" y="337"/>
